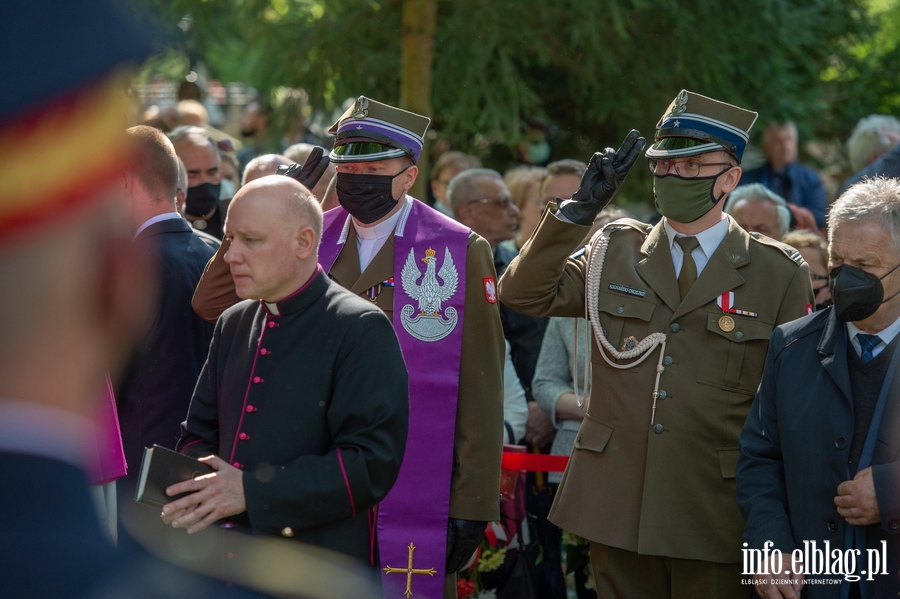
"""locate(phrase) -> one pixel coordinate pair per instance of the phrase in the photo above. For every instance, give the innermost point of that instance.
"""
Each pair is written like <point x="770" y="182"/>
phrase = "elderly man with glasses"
<point x="682" y="315"/>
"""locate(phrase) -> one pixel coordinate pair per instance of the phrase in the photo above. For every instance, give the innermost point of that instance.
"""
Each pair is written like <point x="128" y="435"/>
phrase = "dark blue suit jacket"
<point x="154" y="396"/>
<point x="794" y="451"/>
<point x="806" y="187"/>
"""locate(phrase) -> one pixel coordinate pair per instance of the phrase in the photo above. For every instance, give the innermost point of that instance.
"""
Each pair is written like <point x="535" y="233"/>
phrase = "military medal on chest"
<point x="726" y="302"/>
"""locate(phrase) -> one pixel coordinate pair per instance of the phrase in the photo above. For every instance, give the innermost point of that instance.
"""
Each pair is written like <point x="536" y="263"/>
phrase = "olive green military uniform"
<point x="666" y="488"/>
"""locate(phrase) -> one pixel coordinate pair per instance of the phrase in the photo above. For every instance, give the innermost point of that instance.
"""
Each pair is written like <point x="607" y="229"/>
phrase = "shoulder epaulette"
<point x="628" y="223"/>
<point x="787" y="250"/>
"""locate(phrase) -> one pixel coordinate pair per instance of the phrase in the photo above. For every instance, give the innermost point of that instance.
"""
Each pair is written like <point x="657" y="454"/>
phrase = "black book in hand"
<point x="162" y="468"/>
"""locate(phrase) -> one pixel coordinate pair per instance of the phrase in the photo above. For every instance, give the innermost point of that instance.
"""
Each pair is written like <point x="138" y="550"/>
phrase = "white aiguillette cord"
<point x="599" y="243"/>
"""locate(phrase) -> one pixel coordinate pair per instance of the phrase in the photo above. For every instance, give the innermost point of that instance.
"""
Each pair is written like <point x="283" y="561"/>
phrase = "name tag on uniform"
<point x="628" y="290"/>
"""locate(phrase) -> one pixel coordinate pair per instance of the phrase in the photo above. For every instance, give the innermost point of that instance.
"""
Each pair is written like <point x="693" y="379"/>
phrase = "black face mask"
<point x="856" y="293"/>
<point x="366" y="197"/>
<point x="201" y="199"/>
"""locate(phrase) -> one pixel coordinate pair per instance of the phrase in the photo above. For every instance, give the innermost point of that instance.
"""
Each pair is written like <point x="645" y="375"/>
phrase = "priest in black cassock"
<point x="302" y="406"/>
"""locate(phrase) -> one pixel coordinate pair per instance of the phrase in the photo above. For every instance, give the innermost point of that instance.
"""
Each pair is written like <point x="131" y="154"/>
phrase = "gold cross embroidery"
<point x="409" y="571"/>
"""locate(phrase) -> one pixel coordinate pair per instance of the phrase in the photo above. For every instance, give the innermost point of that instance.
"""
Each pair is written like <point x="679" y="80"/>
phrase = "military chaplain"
<point x="302" y="404"/>
<point x="435" y="280"/>
<point x="682" y="316"/>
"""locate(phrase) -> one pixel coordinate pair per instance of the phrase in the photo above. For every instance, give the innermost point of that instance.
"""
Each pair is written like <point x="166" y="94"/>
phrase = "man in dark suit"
<point x="820" y="451"/>
<point x="155" y="394"/>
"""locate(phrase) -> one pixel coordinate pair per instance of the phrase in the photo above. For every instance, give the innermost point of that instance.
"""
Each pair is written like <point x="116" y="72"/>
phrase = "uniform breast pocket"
<point x="736" y="352"/>
<point x="626" y="322"/>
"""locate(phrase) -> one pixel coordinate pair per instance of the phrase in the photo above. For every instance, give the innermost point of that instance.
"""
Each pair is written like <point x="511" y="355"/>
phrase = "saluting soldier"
<point x="683" y="312"/>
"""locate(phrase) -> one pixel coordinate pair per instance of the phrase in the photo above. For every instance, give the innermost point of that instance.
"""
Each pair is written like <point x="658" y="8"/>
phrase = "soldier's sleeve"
<point x="760" y="484"/>
<point x="543" y="280"/>
<point x="215" y="292"/>
<point x="799" y="297"/>
<point x="475" y="487"/>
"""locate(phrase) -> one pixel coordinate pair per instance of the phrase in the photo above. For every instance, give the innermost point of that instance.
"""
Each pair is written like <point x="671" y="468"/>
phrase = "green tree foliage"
<point x="588" y="69"/>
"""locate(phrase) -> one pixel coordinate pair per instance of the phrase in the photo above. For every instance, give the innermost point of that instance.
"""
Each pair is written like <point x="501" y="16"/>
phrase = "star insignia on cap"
<point x="676" y="124"/>
<point x="358" y="127"/>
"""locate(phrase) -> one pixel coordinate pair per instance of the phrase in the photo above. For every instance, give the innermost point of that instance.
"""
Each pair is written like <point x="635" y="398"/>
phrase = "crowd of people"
<point x="353" y="362"/>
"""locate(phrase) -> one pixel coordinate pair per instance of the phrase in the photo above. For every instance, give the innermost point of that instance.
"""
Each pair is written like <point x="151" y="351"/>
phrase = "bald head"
<point x="264" y="165"/>
<point x="274" y="224"/>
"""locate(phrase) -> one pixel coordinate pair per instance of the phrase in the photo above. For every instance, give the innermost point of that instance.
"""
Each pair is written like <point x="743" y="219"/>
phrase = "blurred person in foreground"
<point x="819" y="464"/>
<point x="75" y="299"/>
<point x="277" y="410"/>
<point x="756" y="208"/>
<point x="783" y="174"/>
<point x="651" y="479"/>
<point x="868" y="143"/>
<point x="154" y="395"/>
<point x="814" y="250"/>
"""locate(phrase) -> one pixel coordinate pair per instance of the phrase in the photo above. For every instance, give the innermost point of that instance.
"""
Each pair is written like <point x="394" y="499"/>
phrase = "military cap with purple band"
<point x="694" y="124"/>
<point x="370" y="131"/>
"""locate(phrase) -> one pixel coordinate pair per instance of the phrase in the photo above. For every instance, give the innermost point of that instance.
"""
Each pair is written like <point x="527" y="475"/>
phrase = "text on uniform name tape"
<point x="628" y="290"/>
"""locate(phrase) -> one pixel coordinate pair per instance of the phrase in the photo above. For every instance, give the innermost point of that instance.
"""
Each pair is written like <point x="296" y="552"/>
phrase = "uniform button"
<point x="661" y="394"/>
<point x="739" y="335"/>
<point x="229" y="555"/>
<point x="236" y="464"/>
<point x="620" y="309"/>
<point x="841" y="443"/>
<point x="263" y="351"/>
<point x="287" y="531"/>
<point x="658" y="428"/>
<point x="674" y="327"/>
<point x="243" y="436"/>
<point x="251" y="408"/>
<point x="257" y="380"/>
<point x="667" y="361"/>
<point x="831" y="526"/>
<point x="271" y="324"/>
<point x="894" y="524"/>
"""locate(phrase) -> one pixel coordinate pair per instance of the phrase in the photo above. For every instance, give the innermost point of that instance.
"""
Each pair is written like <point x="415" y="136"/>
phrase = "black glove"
<point x="602" y="179"/>
<point x="463" y="538"/>
<point x="310" y="171"/>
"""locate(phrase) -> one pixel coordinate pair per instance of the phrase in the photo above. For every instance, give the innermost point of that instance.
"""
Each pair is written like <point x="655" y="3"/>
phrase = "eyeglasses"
<point x="505" y="203"/>
<point x="818" y="277"/>
<point x="688" y="169"/>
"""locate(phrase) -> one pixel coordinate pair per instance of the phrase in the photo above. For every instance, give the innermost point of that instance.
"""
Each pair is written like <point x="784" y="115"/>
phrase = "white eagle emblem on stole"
<point x="428" y="324"/>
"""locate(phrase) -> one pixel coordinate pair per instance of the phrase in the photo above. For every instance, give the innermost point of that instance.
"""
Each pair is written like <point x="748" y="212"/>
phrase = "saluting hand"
<point x="602" y="179"/>
<point x="212" y="497"/>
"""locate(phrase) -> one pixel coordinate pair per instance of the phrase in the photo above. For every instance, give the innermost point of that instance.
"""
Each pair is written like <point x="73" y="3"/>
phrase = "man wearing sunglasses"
<point x="651" y="479"/>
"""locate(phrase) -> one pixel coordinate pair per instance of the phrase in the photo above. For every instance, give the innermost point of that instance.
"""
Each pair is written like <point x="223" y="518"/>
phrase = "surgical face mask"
<point x="228" y="189"/>
<point x="201" y="199"/>
<point x="538" y="152"/>
<point x="685" y="200"/>
<point x="857" y="293"/>
<point x="366" y="197"/>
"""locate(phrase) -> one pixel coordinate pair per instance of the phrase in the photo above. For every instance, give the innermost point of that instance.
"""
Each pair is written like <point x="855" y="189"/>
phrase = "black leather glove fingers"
<point x="628" y="153"/>
<point x="463" y="538"/>
<point x="310" y="171"/>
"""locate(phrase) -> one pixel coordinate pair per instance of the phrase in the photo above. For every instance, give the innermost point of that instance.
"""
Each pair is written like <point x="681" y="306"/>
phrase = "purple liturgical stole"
<point x="429" y="298"/>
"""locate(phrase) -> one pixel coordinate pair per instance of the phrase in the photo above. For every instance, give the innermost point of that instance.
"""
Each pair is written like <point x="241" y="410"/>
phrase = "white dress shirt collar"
<point x="156" y="219"/>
